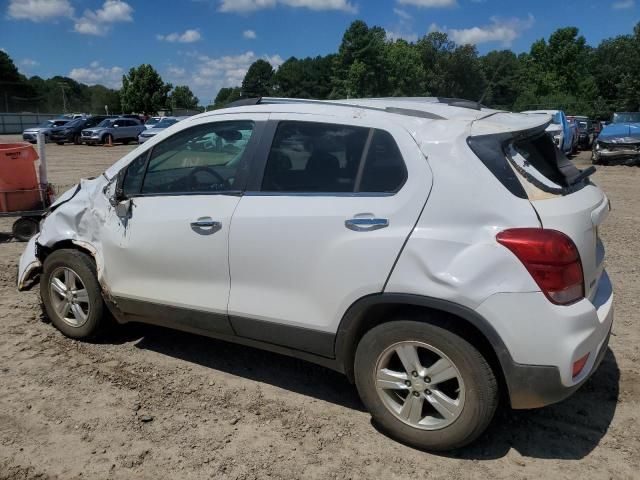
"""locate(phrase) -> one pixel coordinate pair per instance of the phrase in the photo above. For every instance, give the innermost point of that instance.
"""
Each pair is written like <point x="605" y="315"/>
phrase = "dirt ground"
<point x="153" y="403"/>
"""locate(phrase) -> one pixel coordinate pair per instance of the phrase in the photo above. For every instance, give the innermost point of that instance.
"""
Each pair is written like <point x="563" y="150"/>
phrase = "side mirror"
<point x="116" y="125"/>
<point x="123" y="208"/>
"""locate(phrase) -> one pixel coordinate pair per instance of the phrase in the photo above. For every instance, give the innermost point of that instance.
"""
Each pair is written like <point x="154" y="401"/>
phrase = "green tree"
<point x="406" y="75"/>
<point x="226" y="95"/>
<point x="183" y="97"/>
<point x="144" y="91"/>
<point x="258" y="80"/>
<point x="360" y="68"/>
<point x="502" y="71"/>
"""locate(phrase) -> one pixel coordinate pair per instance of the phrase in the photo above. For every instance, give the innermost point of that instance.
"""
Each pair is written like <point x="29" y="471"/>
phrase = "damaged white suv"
<point x="435" y="251"/>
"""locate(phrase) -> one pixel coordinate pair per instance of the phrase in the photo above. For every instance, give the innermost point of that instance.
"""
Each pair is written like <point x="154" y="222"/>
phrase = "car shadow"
<point x="570" y="429"/>
<point x="285" y="372"/>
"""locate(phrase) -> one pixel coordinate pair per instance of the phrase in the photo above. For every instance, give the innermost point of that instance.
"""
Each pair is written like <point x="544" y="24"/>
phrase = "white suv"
<point x="435" y="251"/>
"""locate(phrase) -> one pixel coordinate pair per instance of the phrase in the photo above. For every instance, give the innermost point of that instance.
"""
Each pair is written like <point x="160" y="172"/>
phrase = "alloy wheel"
<point x="419" y="385"/>
<point x="69" y="297"/>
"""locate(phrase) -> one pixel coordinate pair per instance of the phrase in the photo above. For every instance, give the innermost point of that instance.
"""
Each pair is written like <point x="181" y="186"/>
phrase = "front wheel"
<point x="107" y="139"/>
<point x="71" y="294"/>
<point x="424" y="385"/>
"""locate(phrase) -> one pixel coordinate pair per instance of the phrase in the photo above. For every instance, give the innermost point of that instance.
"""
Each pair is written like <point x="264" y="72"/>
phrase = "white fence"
<point x="17" y="122"/>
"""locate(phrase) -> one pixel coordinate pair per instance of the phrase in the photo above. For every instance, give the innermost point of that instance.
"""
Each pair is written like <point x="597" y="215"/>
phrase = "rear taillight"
<point x="551" y="258"/>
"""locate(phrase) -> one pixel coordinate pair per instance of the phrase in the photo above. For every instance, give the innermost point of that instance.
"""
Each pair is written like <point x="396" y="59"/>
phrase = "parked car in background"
<point x="619" y="141"/>
<point x="31" y="134"/>
<point x="597" y="128"/>
<point x="71" y="132"/>
<point x="337" y="232"/>
<point x="559" y="128"/>
<point x="152" y="121"/>
<point x="111" y="130"/>
<point x="159" y="127"/>
<point x="575" y="134"/>
<point x="586" y="133"/>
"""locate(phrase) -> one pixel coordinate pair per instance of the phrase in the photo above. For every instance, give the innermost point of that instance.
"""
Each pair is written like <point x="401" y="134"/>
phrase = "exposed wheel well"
<point x="376" y="314"/>
<point x="44" y="252"/>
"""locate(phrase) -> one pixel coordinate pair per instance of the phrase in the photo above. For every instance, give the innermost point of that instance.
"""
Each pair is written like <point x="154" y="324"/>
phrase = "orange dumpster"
<point x="19" y="186"/>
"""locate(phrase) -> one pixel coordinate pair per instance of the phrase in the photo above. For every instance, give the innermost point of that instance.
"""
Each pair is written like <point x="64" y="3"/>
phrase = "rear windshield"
<point x="526" y="164"/>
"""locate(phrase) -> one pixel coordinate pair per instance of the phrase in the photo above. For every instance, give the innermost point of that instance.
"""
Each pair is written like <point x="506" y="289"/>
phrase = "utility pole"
<point x="64" y="96"/>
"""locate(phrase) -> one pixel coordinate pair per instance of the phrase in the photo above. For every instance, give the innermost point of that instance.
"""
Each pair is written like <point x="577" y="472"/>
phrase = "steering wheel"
<point x="193" y="182"/>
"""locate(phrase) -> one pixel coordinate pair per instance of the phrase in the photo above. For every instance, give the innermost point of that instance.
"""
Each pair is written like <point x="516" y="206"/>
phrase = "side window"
<point x="133" y="175"/>
<point x="384" y="169"/>
<point x="328" y="158"/>
<point x="314" y="157"/>
<point x="201" y="159"/>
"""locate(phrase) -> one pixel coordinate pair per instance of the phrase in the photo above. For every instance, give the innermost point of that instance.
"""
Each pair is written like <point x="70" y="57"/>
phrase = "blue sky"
<point x="208" y="44"/>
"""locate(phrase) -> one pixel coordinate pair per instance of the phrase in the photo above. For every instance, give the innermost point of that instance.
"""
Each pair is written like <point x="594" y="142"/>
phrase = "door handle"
<point x="205" y="226"/>
<point x="366" y="224"/>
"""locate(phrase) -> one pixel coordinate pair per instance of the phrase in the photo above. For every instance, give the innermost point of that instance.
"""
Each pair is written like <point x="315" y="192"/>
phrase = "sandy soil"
<point x="153" y="403"/>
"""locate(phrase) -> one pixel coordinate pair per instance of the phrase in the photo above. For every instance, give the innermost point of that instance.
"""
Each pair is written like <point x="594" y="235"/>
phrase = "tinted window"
<point x="384" y="169"/>
<point x="203" y="159"/>
<point x="314" y="157"/>
<point x="328" y="158"/>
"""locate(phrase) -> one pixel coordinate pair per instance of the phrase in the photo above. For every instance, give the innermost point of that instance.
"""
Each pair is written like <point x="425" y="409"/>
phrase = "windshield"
<point x="626" y="117"/>
<point x="152" y="121"/>
<point x="46" y="124"/>
<point x="74" y="123"/>
<point x="166" y="122"/>
<point x="105" y="123"/>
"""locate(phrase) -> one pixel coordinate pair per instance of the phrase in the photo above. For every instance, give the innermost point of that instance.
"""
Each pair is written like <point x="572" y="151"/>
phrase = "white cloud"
<point x="97" y="74"/>
<point x="189" y="36"/>
<point x="212" y="73"/>
<point x="504" y="31"/>
<point x="176" y="72"/>
<point x="99" y="22"/>
<point x="244" y="6"/>
<point x="28" y="62"/>
<point x="39" y="10"/>
<point x="428" y="3"/>
<point x="409" y="37"/>
<point x="249" y="34"/>
<point x="623" y="4"/>
<point x="403" y="14"/>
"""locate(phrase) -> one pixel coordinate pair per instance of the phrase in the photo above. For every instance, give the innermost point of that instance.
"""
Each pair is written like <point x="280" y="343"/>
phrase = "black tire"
<point x="126" y="142"/>
<point x="77" y="140"/>
<point x="480" y="386"/>
<point x="25" y="228"/>
<point x="108" y="138"/>
<point x="60" y="143"/>
<point x="84" y="267"/>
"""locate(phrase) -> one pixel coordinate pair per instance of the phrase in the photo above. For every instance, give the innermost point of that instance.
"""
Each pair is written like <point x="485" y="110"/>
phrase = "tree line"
<point x="143" y="91"/>
<point x="562" y="72"/>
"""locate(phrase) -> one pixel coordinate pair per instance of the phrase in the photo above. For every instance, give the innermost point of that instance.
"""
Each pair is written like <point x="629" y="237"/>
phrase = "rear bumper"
<point x="544" y="340"/>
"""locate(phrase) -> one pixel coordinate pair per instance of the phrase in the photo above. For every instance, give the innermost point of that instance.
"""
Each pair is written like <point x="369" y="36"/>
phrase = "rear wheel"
<point x="77" y="140"/>
<point x="71" y="294"/>
<point x="425" y="385"/>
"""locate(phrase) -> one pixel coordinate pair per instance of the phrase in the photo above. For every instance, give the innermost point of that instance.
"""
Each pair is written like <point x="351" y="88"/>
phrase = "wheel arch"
<point x="373" y="310"/>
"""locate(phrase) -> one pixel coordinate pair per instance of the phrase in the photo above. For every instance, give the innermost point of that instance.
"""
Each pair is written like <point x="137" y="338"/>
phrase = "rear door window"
<point x="310" y="157"/>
